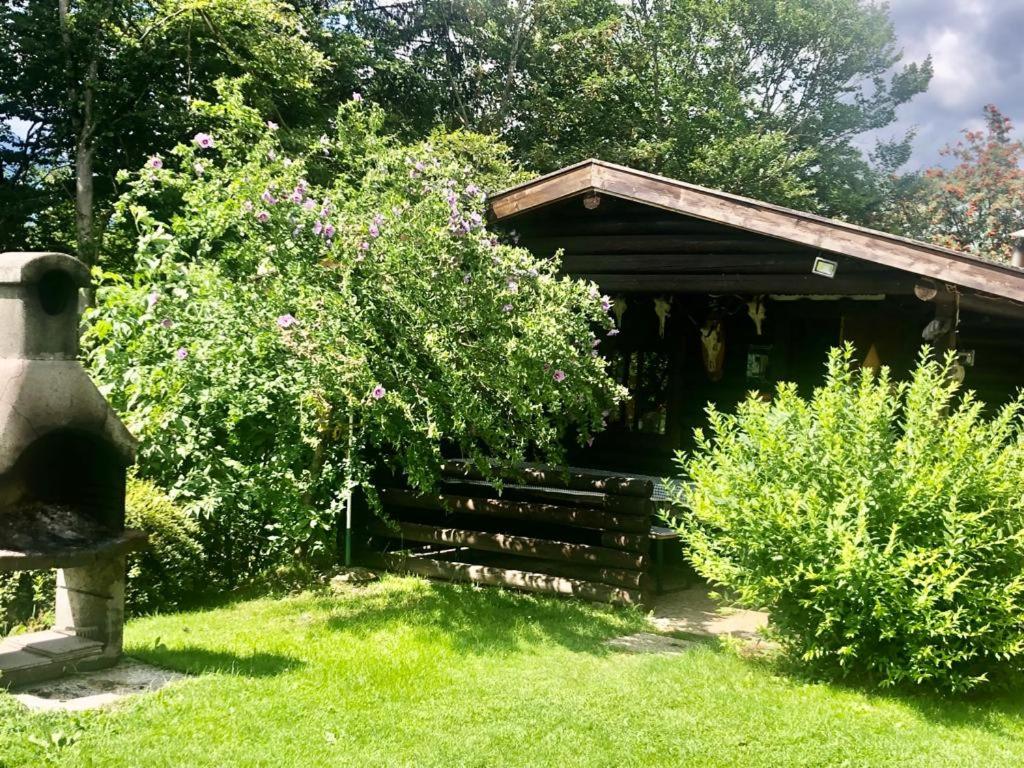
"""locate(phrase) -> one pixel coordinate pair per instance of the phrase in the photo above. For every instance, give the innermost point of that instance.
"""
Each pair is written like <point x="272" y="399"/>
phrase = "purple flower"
<point x="152" y="299"/>
<point x="156" y="162"/>
<point x="272" y="125"/>
<point x="472" y="190"/>
<point x="329" y="231"/>
<point x="558" y="375"/>
<point x="506" y="308"/>
<point x="357" y="97"/>
<point x="203" y="140"/>
<point x="181" y="354"/>
<point x="378" y="392"/>
<point x="613" y="332"/>
<point x="286" y="321"/>
<point x="419" y="166"/>
<point x="595" y="343"/>
<point x="263" y="217"/>
<point x="606" y="303"/>
<point x="167" y="323"/>
<point x="310" y="204"/>
<point x="268" y="198"/>
<point x="247" y="205"/>
<point x="364" y="246"/>
<point x="318" y="227"/>
<point x="374" y="230"/>
<point x="296" y="196"/>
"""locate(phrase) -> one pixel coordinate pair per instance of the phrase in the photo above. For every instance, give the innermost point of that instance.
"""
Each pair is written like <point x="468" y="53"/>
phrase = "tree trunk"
<point x="80" y="108"/>
<point x="85" y="235"/>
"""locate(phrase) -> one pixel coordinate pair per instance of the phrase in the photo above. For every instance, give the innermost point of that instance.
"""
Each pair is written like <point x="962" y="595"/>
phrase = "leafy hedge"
<point x="171" y="571"/>
<point x="880" y="524"/>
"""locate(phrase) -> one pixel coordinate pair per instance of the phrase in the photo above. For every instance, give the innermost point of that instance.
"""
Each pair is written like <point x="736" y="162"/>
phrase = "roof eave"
<point x="763" y="218"/>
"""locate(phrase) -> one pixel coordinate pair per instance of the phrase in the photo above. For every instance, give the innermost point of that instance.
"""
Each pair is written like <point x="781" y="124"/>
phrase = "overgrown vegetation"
<point x="305" y="314"/>
<point x="880" y="524"/>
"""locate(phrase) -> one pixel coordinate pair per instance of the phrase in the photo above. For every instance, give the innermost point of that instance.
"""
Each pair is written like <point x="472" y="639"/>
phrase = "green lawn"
<point x="410" y="673"/>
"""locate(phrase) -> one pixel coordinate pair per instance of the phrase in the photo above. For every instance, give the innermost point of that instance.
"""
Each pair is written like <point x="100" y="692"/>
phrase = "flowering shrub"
<point x="881" y="525"/>
<point x="307" y="310"/>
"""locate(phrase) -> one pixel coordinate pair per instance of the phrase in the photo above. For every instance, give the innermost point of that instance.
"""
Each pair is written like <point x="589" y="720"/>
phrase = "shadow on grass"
<point x="194" y="660"/>
<point x="482" y="620"/>
<point x="997" y="709"/>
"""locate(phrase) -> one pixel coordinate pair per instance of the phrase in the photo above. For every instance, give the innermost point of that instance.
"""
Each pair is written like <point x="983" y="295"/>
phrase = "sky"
<point x="977" y="49"/>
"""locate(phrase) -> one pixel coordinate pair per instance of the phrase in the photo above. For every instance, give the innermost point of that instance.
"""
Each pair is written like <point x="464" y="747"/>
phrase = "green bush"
<point x="26" y="599"/>
<point x="880" y="524"/>
<point x="170" y="572"/>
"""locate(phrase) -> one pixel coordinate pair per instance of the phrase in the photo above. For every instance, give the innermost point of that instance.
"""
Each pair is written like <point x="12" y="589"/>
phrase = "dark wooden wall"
<point x="637" y="252"/>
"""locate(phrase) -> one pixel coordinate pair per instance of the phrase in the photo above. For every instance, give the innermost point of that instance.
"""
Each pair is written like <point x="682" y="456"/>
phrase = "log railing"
<point x="547" y="530"/>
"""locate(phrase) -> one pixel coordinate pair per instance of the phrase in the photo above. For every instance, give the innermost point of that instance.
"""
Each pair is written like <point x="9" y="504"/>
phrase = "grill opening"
<point x="65" y="491"/>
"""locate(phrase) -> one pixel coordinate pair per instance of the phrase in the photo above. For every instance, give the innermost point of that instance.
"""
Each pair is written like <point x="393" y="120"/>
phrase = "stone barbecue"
<point x="63" y="458"/>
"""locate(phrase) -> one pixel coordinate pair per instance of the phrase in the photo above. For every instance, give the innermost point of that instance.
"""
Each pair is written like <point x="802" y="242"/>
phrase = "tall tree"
<point x="975" y="199"/>
<point x="764" y="97"/>
<point x="102" y="84"/>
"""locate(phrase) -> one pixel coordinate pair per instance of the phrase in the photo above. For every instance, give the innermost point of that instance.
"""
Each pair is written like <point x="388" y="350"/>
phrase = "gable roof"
<point x="941" y="264"/>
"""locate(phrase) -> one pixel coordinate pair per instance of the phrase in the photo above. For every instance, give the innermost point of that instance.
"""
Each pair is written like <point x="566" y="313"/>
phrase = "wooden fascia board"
<point x="793" y="228"/>
<point x="544" y="191"/>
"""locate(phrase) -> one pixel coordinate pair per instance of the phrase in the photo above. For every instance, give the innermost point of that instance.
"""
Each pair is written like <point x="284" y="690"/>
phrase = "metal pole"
<point x="348" y="496"/>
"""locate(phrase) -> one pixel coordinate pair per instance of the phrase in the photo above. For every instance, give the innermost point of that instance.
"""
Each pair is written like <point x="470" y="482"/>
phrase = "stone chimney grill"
<point x="63" y="458"/>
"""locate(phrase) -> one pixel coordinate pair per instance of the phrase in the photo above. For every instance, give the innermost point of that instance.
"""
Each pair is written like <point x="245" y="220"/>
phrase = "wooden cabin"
<point x="714" y="295"/>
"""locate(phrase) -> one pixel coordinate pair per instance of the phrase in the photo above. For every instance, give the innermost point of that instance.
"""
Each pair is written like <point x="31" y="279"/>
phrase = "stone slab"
<point x="14" y="659"/>
<point x="92" y="690"/>
<point x="694" y="612"/>
<point x="54" y="644"/>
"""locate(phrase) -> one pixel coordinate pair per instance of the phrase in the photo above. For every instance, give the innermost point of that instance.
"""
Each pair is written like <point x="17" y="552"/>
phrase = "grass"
<point x="410" y="673"/>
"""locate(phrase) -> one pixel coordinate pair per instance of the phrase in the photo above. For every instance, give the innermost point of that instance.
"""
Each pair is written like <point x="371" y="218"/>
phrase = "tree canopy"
<point x="973" y="202"/>
<point x="763" y="97"/>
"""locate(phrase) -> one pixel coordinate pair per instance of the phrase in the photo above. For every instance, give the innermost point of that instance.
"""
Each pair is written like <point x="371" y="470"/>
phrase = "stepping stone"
<point x="648" y="642"/>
